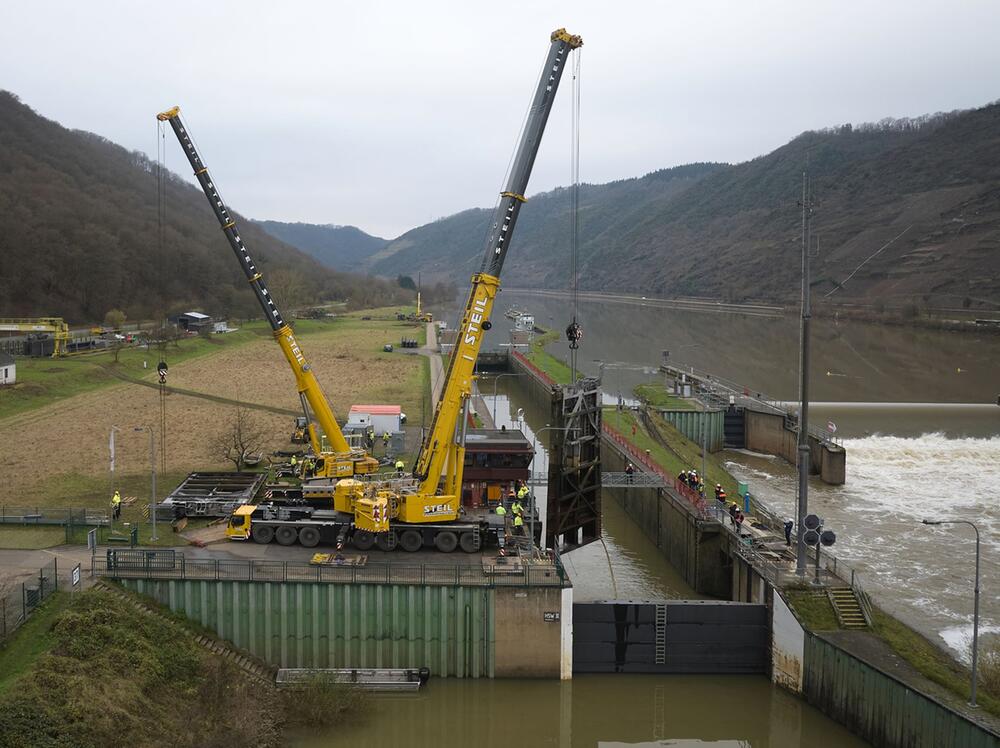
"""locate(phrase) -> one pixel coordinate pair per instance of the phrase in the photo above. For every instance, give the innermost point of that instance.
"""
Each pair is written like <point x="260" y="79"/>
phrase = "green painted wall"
<point x="879" y="708"/>
<point x="689" y="423"/>
<point x="447" y="629"/>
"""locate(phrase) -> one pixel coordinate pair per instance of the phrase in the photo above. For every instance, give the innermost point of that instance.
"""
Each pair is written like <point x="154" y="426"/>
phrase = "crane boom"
<point x="442" y="452"/>
<point x="309" y="390"/>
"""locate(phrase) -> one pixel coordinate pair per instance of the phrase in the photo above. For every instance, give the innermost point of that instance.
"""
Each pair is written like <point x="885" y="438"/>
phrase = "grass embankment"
<point x="814" y="609"/>
<point x="673" y="451"/>
<point x="816" y="613"/>
<point x="556" y="368"/>
<point x="936" y="665"/>
<point x="92" y="670"/>
<point x="655" y="394"/>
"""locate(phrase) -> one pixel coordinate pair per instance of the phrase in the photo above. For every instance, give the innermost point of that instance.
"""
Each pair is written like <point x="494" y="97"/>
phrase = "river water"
<point x="918" y="416"/>
<point x="607" y="711"/>
<point x="917" y="411"/>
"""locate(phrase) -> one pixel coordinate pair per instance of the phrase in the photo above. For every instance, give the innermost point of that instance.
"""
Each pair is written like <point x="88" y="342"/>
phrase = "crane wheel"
<point x="411" y="541"/>
<point x="262" y="534"/>
<point x="309" y="537"/>
<point x="286" y="535"/>
<point x="446" y="541"/>
<point x="363" y="540"/>
<point x="469" y="541"/>
<point x="386" y="541"/>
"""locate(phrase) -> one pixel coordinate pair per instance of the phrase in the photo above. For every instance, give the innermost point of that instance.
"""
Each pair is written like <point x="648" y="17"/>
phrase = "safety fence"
<point x="160" y="564"/>
<point x="541" y="375"/>
<point x="640" y="457"/>
<point x="19" y="601"/>
<point x="716" y="391"/>
<point x="21" y="515"/>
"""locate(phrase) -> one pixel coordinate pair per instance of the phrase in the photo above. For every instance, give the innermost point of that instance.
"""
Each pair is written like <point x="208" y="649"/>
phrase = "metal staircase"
<point x="846" y="605"/>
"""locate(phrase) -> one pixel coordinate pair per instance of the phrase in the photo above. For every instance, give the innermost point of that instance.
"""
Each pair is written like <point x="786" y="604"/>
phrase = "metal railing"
<point x="647" y="464"/>
<point x="22" y="599"/>
<point x="177" y="566"/>
<point x="21" y="515"/>
<point x="716" y="391"/>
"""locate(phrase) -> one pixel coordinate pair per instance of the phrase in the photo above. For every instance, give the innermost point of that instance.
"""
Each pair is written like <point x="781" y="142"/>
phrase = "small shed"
<point x="8" y="369"/>
<point x="381" y="418"/>
<point x="192" y="321"/>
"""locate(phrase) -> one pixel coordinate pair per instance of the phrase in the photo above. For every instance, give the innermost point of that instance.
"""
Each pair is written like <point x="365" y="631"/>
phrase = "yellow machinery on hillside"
<point x="425" y="508"/>
<point x="340" y="460"/>
<point x="52" y="325"/>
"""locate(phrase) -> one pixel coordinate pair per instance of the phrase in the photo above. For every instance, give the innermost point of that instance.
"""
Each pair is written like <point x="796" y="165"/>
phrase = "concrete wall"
<point x="788" y="641"/>
<point x="766" y="432"/>
<point x="879" y="708"/>
<point x="691" y="422"/>
<point x="528" y="632"/>
<point x="695" y="548"/>
<point x="476" y="632"/>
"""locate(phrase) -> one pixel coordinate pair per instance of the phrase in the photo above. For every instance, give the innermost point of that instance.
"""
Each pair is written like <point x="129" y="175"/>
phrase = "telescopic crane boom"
<point x="439" y="465"/>
<point x="345" y="461"/>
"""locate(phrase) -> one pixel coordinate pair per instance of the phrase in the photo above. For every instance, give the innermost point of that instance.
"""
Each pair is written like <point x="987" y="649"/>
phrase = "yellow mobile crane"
<point x="425" y="509"/>
<point x="341" y="460"/>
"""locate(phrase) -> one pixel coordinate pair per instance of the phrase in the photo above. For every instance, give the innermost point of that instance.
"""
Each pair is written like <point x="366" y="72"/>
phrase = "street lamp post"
<point x="152" y="474"/>
<point x="495" y="380"/>
<point x="975" y="615"/>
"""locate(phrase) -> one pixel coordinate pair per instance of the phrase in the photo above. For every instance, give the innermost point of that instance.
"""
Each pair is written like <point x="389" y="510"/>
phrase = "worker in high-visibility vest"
<point x="522" y="493"/>
<point x="516" y="509"/>
<point x="116" y="505"/>
<point x="518" y="524"/>
<point x="400" y="466"/>
<point x="501" y="512"/>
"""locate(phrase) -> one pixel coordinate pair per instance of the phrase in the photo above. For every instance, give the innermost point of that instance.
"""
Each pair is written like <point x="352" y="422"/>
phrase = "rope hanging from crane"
<point x="574" y="332"/>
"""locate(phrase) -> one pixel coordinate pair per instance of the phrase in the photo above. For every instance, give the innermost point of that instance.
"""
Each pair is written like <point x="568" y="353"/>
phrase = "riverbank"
<point x="100" y="668"/>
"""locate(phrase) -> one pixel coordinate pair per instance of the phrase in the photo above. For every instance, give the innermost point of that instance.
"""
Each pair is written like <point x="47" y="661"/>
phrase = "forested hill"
<point x="339" y="247"/>
<point x="78" y="236"/>
<point x="733" y="232"/>
<point x="453" y="247"/>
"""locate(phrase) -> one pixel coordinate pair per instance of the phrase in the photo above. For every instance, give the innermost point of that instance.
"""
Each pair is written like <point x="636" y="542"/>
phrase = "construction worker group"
<point x="516" y="507"/>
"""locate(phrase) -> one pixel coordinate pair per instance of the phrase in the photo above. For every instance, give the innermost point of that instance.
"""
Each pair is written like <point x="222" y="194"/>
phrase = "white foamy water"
<point x="922" y="573"/>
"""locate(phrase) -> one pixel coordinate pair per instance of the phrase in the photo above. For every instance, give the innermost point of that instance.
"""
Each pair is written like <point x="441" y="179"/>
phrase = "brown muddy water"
<point x="917" y="411"/>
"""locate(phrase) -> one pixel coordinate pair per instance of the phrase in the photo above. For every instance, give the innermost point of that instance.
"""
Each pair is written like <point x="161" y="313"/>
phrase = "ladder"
<point x="661" y="634"/>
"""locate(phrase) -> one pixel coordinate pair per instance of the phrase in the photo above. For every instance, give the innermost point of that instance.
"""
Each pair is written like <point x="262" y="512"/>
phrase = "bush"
<point x="322" y="702"/>
<point x="989" y="665"/>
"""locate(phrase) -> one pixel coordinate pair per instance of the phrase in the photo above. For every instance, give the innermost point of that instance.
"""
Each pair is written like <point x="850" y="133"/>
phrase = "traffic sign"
<point x="812" y="522"/>
<point x="811" y="537"/>
<point x="828" y="537"/>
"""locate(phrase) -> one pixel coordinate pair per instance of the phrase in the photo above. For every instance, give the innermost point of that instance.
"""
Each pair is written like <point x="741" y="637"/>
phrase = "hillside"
<point x="339" y="247"/>
<point x="733" y="232"/>
<point x="453" y="246"/>
<point x="79" y="236"/>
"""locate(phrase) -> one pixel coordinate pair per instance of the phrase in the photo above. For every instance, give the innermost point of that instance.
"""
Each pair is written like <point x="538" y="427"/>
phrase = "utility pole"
<point x="803" y="441"/>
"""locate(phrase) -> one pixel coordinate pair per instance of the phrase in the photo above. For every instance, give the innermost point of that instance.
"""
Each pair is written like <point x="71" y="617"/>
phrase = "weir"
<point x="750" y="420"/>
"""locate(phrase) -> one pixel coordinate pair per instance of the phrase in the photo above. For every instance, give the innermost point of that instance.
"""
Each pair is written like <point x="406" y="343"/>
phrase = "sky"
<point x="388" y="115"/>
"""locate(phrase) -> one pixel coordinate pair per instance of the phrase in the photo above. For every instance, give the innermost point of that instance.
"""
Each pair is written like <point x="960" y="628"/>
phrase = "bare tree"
<point x="117" y="344"/>
<point x="242" y="437"/>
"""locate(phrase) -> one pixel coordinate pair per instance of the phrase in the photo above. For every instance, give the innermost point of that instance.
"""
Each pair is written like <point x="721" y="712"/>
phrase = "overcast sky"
<point x="389" y="115"/>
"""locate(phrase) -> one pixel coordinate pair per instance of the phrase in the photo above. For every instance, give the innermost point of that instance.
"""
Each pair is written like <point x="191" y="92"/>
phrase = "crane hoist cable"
<point x="574" y="332"/>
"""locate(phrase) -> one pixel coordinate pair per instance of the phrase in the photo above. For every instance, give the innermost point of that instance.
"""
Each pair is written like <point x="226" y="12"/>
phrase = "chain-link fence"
<point x="18" y="601"/>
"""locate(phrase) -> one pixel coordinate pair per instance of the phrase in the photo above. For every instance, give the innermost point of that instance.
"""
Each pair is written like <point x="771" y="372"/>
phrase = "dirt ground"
<point x="66" y="443"/>
<point x="349" y="364"/>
